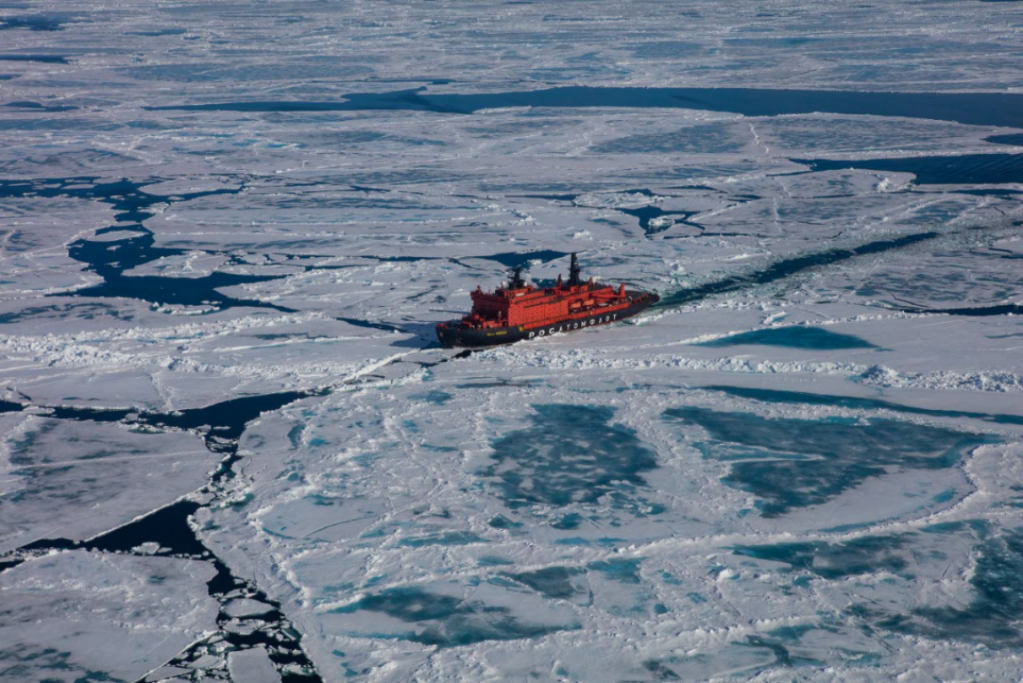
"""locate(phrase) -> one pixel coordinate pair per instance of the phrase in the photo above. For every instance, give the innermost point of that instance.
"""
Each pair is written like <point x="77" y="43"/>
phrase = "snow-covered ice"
<point x="232" y="449"/>
<point x="95" y="476"/>
<point x="252" y="665"/>
<point x="81" y="615"/>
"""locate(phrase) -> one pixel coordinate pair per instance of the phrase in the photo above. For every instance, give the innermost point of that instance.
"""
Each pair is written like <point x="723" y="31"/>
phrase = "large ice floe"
<point x="232" y="449"/>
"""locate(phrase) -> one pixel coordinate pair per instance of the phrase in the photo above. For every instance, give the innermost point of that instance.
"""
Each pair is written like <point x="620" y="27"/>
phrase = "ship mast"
<point x="516" y="281"/>
<point x="573" y="273"/>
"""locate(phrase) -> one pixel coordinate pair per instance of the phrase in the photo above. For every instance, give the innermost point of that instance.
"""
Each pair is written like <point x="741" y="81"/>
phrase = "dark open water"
<point x="991" y="109"/>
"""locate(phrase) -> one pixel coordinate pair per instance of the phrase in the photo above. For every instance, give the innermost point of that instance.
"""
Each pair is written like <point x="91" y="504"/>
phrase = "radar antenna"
<point x="573" y="273"/>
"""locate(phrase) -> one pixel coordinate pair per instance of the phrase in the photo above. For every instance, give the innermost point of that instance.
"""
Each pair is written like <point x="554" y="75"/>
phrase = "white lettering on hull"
<point x="611" y="317"/>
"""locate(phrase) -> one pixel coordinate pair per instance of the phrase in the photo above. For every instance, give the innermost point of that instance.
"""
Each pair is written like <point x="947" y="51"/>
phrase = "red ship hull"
<point x="456" y="334"/>
<point x="519" y="311"/>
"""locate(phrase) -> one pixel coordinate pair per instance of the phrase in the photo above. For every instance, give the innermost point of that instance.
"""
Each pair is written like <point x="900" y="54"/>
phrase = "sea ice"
<point x="73" y="480"/>
<point x="80" y="615"/>
<point x="228" y="231"/>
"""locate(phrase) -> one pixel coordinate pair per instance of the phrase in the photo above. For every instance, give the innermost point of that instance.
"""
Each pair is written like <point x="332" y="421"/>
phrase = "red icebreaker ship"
<point x="519" y="311"/>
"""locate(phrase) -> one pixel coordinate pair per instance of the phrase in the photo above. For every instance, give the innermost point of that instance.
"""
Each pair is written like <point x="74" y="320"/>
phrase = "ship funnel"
<point x="573" y="273"/>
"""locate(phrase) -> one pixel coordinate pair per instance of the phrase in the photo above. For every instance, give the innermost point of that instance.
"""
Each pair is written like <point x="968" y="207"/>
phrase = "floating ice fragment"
<point x="252" y="666"/>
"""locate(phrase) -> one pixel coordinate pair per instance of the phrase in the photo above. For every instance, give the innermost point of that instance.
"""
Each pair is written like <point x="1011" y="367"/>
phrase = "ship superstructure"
<point x="519" y="311"/>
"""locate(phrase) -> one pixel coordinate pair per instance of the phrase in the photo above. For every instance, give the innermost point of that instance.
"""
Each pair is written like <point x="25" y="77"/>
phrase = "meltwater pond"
<point x="794" y="336"/>
<point x="992" y="616"/>
<point x="432" y="617"/>
<point x="987" y="614"/>
<point x="571" y="454"/>
<point x="555" y="583"/>
<point x="839" y="560"/>
<point x="790" y="463"/>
